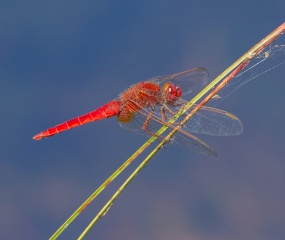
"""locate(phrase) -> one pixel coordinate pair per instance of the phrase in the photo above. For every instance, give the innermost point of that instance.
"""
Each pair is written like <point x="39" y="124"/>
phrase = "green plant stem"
<point x="101" y="188"/>
<point x="230" y="72"/>
<point x="249" y="55"/>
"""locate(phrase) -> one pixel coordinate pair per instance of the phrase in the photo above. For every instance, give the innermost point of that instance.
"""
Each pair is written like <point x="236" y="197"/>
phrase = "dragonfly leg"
<point x="145" y="125"/>
<point x="168" y="109"/>
<point x="164" y="115"/>
<point x="145" y="128"/>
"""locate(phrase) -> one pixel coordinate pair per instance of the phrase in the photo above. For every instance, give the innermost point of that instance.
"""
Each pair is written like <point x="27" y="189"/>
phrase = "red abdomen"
<point x="109" y="110"/>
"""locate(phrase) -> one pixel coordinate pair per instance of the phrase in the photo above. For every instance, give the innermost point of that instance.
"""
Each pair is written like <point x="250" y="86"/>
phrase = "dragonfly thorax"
<point x="139" y="96"/>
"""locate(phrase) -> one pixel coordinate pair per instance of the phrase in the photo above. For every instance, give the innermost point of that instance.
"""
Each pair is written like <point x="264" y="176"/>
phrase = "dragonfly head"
<point x="172" y="92"/>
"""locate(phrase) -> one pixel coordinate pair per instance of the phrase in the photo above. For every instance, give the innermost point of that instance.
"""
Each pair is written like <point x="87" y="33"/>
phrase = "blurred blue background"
<point x="60" y="59"/>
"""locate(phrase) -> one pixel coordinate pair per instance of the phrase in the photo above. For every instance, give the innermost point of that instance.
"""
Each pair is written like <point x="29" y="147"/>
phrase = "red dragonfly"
<point x="146" y="106"/>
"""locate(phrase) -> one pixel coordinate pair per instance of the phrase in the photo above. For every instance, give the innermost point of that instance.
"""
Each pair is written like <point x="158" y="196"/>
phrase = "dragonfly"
<point x="148" y="105"/>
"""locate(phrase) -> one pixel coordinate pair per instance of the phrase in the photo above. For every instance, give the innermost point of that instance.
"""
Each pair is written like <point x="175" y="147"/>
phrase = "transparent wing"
<point x="193" y="143"/>
<point x="207" y="120"/>
<point x="190" y="81"/>
<point x="181" y="138"/>
<point x="211" y="121"/>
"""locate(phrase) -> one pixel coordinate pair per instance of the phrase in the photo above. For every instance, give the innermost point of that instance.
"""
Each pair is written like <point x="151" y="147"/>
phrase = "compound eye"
<point x="170" y="89"/>
<point x="178" y="91"/>
<point x="172" y="92"/>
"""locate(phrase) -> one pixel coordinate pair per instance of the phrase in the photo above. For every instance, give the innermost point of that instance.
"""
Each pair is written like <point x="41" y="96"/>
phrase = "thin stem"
<point x="102" y="187"/>
<point x="231" y="72"/>
<point x="249" y="55"/>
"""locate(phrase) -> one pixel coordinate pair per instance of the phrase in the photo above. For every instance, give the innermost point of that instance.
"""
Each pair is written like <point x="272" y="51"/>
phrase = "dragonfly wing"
<point x="208" y="120"/>
<point x="215" y="122"/>
<point x="189" y="81"/>
<point x="193" y="143"/>
<point x="181" y="138"/>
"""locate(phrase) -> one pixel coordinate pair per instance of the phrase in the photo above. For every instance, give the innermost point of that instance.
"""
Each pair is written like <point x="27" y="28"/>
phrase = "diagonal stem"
<point x="236" y="67"/>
